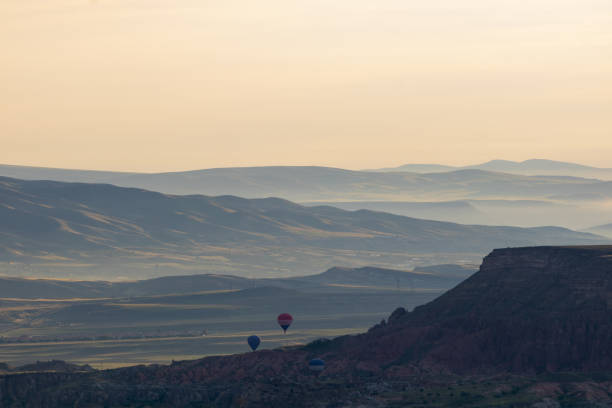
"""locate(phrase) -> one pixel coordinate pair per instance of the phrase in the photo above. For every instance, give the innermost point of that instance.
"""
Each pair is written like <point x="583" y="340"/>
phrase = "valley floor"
<point x="106" y="333"/>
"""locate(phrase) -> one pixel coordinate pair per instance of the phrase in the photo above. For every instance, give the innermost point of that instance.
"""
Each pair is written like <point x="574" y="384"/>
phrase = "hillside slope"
<point x="53" y="223"/>
<point x="527" y="310"/>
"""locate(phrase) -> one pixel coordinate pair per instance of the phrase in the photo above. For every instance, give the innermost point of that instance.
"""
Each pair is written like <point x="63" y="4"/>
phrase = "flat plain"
<point x="128" y="330"/>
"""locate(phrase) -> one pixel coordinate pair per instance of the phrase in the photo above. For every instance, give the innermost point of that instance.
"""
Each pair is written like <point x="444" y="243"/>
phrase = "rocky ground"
<point x="136" y="388"/>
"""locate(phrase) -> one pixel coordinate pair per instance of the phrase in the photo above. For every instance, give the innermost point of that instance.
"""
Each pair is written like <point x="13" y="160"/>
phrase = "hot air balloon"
<point x="253" y="342"/>
<point x="284" y="320"/>
<point x="316" y="364"/>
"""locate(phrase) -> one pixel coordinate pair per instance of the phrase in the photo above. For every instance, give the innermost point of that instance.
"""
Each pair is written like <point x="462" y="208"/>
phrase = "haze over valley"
<point x="81" y="231"/>
<point x="479" y="195"/>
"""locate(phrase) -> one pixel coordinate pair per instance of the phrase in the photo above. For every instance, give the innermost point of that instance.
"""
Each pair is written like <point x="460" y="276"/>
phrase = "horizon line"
<point x="456" y="167"/>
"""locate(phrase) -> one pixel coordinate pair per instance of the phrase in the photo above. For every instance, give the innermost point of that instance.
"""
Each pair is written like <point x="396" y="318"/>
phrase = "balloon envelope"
<point x="316" y="364"/>
<point x="284" y="320"/>
<point x="253" y="342"/>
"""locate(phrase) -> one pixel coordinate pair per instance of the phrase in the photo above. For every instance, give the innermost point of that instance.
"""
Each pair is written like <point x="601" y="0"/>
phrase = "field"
<point x="114" y="332"/>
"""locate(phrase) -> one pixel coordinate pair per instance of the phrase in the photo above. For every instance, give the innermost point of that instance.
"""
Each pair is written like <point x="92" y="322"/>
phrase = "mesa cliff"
<point x="527" y="310"/>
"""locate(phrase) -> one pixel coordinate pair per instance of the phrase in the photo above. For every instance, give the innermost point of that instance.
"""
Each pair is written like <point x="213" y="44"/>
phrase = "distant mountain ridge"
<point x="604" y="230"/>
<point x="59" y="174"/>
<point x="531" y="167"/>
<point x="97" y="225"/>
<point x="311" y="183"/>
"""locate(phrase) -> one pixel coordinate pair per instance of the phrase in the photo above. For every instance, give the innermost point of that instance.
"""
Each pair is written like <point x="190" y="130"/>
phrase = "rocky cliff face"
<point x="527" y="311"/>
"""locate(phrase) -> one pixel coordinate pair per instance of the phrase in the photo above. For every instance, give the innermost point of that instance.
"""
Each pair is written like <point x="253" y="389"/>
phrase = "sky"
<point x="165" y="85"/>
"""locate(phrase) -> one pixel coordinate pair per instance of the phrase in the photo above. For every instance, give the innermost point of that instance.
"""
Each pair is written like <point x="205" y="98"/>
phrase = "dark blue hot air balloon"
<point x="316" y="364"/>
<point x="253" y="342"/>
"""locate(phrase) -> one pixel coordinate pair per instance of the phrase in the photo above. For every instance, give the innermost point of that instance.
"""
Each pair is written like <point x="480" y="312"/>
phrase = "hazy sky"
<point x="160" y="85"/>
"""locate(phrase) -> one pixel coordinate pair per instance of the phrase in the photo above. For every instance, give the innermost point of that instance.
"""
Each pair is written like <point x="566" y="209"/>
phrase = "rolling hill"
<point x="88" y="226"/>
<point x="459" y="195"/>
<point x="311" y="183"/>
<point x="335" y="279"/>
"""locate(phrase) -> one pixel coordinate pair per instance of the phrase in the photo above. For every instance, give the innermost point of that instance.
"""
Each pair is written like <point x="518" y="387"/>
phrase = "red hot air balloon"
<point x="284" y="320"/>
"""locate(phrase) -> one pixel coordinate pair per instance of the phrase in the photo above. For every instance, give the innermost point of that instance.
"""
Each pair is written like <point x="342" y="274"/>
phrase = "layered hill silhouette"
<point x="579" y="215"/>
<point x="527" y="311"/>
<point x="54" y="223"/>
<point x="334" y="279"/>
<point x="528" y="167"/>
<point x="472" y="195"/>
<point x="605" y="230"/>
<point x="311" y="183"/>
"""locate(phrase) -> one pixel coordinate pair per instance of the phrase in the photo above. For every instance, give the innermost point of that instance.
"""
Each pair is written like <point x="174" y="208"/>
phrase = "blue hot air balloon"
<point x="316" y="364"/>
<point x="253" y="342"/>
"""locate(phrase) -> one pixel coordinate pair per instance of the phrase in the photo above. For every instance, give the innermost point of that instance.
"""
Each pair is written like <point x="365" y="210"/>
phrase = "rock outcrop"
<point x="527" y="310"/>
